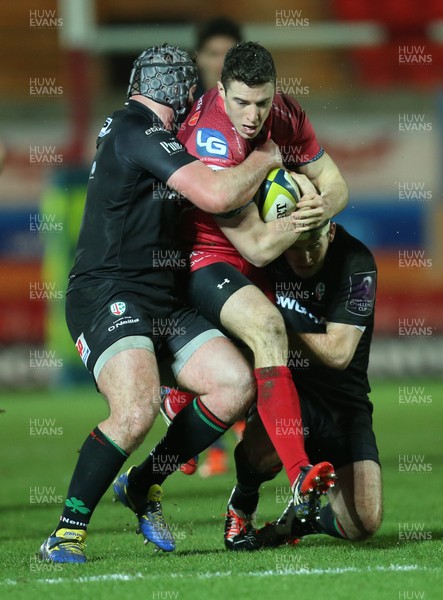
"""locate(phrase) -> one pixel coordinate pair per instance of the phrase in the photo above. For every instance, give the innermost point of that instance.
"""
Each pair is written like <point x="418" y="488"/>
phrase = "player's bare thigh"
<point x="357" y="499"/>
<point x="130" y="383"/>
<point x="219" y="373"/>
<point x="251" y="317"/>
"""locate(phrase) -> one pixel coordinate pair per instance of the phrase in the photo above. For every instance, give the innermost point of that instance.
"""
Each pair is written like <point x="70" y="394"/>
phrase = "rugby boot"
<point x="64" y="546"/>
<point x="151" y="522"/>
<point x="310" y="485"/>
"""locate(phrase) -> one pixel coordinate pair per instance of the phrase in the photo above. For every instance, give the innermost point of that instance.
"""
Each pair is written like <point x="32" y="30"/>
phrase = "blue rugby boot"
<point x="64" y="546"/>
<point x="151" y="523"/>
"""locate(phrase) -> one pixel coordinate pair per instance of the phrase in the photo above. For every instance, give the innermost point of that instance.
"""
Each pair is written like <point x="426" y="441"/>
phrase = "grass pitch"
<point x="42" y="432"/>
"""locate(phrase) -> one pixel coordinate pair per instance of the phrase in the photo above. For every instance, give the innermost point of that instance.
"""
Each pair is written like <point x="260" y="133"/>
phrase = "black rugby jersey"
<point x="343" y="291"/>
<point x="128" y="231"/>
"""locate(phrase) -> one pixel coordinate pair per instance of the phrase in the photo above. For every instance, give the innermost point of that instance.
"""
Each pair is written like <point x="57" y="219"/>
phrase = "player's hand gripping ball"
<point x="278" y="195"/>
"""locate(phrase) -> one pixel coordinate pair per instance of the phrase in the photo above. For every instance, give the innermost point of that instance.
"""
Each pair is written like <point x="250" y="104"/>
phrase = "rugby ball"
<point x="278" y="195"/>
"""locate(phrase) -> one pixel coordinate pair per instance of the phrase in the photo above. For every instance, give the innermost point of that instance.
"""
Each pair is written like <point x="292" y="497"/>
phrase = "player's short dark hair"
<point x="315" y="234"/>
<point x="249" y="63"/>
<point x="221" y="26"/>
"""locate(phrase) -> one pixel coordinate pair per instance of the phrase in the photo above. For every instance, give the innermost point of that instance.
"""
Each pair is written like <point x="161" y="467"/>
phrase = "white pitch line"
<point x="302" y="571"/>
<point x="217" y="574"/>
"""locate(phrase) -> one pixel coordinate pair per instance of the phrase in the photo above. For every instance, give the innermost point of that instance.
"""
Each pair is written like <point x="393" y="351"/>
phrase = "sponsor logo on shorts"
<point x="118" y="308"/>
<point x="361" y="294"/>
<point x="128" y="320"/>
<point x="83" y="348"/>
<point x="220" y="285"/>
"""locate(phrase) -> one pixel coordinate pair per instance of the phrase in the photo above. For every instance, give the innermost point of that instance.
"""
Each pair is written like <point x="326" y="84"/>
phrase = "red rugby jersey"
<point x="209" y="135"/>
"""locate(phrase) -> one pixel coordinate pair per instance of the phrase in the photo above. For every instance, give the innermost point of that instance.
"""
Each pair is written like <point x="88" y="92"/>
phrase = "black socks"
<point x="99" y="462"/>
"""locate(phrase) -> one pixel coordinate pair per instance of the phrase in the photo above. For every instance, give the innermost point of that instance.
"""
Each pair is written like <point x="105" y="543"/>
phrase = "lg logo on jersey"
<point x="211" y="142"/>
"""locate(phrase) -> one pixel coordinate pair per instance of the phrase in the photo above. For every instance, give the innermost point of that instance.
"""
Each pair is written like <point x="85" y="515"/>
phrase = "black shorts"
<point x="341" y="434"/>
<point x="103" y="322"/>
<point x="211" y="286"/>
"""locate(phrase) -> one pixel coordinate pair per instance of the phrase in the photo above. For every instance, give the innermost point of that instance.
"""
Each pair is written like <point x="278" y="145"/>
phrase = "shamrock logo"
<point x="77" y="505"/>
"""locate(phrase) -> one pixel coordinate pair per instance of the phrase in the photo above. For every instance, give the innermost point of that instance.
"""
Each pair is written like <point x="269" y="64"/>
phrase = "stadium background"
<point x="369" y="74"/>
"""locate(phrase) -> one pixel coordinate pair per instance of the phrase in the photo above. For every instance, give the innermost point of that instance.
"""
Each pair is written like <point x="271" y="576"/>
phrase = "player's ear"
<point x="191" y="95"/>
<point x="221" y="90"/>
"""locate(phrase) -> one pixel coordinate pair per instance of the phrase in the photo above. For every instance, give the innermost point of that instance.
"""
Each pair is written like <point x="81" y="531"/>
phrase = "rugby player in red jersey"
<point x="226" y="282"/>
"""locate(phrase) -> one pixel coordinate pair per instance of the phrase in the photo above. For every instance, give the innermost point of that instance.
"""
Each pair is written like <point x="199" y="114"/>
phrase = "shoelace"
<point x="237" y="524"/>
<point x="298" y="498"/>
<point x="157" y="519"/>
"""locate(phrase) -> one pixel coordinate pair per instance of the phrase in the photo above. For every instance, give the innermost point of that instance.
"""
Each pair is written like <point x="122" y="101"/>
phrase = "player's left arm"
<point x="332" y="196"/>
<point x="259" y="242"/>
<point x="334" y="349"/>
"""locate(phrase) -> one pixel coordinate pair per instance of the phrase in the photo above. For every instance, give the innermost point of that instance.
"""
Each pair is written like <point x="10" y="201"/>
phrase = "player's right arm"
<point x="156" y="151"/>
<point x="226" y="189"/>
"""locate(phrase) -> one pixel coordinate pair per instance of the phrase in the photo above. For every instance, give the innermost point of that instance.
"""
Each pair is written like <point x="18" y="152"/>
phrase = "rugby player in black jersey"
<point x="325" y="289"/>
<point x="122" y="301"/>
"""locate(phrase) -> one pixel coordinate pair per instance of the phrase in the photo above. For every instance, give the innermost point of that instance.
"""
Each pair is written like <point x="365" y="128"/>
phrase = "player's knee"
<point x="231" y="394"/>
<point x="135" y="433"/>
<point x="242" y="391"/>
<point x="368" y="524"/>
<point x="241" y="385"/>
<point x="369" y="511"/>
<point x="134" y="425"/>
<point x="361" y="533"/>
<point x="269" y="330"/>
<point x="272" y="325"/>
<point x="371" y="524"/>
